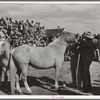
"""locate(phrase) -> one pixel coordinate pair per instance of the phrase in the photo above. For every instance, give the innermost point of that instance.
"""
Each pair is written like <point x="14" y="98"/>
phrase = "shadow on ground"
<point x="96" y="87"/>
<point x="48" y="84"/>
<point x="5" y="89"/>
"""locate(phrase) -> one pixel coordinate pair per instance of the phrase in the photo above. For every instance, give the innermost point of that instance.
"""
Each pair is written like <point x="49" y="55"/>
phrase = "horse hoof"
<point x="56" y="88"/>
<point x="64" y="85"/>
<point x="20" y="93"/>
<point x="29" y="93"/>
<point x="6" y="90"/>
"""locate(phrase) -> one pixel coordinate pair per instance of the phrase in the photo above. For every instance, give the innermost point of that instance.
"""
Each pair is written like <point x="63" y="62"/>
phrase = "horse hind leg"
<point x="17" y="82"/>
<point x="5" y="76"/>
<point x="24" y="78"/>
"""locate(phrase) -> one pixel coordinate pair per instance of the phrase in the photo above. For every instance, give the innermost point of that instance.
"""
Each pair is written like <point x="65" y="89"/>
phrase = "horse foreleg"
<point x="57" y="70"/>
<point x="24" y="78"/>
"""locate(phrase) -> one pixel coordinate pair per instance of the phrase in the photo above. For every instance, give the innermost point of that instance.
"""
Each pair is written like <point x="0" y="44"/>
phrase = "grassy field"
<point x="42" y="81"/>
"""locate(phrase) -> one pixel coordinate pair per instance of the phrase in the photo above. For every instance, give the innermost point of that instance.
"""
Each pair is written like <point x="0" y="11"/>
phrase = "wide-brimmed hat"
<point x="89" y="35"/>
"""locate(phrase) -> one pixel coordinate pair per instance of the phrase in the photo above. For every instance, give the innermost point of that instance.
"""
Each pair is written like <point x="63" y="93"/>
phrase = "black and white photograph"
<point x="50" y="49"/>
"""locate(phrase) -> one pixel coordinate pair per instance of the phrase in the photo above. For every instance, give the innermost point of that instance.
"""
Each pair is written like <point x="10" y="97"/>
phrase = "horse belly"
<point x="42" y="58"/>
<point x="43" y="63"/>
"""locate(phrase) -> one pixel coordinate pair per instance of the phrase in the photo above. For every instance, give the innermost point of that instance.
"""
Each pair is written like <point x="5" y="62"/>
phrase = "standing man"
<point x="74" y="55"/>
<point x="73" y="62"/>
<point x="87" y="48"/>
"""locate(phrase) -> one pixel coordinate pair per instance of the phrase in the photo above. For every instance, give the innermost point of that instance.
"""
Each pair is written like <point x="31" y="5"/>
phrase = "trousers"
<point x="85" y="63"/>
<point x="73" y="64"/>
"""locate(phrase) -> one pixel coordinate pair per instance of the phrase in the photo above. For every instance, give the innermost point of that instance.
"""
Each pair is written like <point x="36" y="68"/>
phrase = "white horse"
<point x="51" y="56"/>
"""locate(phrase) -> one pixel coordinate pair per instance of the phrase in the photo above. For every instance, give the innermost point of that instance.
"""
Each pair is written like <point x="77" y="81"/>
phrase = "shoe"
<point x="85" y="90"/>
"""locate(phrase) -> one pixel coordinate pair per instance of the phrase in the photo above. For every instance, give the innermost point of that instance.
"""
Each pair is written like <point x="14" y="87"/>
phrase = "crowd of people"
<point x="23" y="32"/>
<point x="26" y="32"/>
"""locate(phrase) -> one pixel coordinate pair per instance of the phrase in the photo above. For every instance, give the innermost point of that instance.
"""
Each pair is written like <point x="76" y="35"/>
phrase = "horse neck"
<point x="61" y="39"/>
<point x="62" y="44"/>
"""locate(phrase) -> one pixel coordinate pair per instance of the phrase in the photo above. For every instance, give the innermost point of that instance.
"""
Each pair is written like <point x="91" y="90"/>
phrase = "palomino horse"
<point x="51" y="56"/>
<point x="4" y="59"/>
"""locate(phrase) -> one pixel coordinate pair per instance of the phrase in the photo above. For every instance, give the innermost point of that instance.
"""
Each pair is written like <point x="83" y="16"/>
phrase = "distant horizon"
<point x="76" y="18"/>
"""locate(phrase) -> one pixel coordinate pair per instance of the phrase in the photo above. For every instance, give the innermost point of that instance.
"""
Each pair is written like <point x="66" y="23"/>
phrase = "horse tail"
<point x="12" y="75"/>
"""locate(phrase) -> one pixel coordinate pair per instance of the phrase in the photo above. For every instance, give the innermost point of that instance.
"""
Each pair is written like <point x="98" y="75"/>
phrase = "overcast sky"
<point x="73" y="17"/>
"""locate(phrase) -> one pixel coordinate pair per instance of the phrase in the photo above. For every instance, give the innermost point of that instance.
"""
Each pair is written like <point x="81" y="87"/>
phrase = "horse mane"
<point x="55" y="41"/>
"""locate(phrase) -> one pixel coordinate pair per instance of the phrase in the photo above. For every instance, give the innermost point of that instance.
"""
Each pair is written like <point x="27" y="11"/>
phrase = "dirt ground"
<point x="41" y="82"/>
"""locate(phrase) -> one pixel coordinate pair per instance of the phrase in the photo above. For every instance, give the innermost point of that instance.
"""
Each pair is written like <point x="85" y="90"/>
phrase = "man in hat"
<point x="87" y="48"/>
<point x="73" y="62"/>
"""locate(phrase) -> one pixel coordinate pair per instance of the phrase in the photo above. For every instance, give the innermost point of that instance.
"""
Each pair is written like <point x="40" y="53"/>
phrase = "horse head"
<point x="69" y="37"/>
<point x="72" y="41"/>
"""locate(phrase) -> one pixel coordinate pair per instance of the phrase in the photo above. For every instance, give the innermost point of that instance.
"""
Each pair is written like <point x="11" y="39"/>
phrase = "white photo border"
<point x="51" y="96"/>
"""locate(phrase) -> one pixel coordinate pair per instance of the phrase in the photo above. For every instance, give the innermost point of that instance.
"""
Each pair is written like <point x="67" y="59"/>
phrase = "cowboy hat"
<point x="88" y="35"/>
